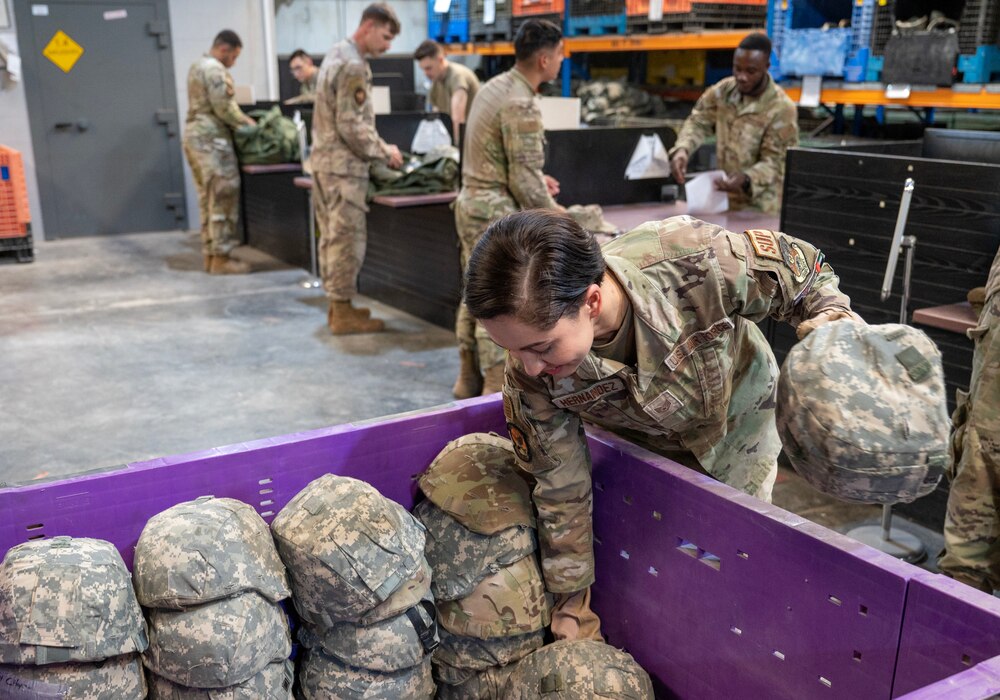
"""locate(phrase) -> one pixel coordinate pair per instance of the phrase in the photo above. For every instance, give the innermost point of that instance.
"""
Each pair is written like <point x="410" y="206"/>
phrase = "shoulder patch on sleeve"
<point x="764" y="243"/>
<point x="520" y="442"/>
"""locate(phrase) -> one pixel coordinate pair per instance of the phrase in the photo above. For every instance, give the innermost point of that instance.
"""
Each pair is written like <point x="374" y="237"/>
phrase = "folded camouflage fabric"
<point x="426" y="173"/>
<point x="273" y="139"/>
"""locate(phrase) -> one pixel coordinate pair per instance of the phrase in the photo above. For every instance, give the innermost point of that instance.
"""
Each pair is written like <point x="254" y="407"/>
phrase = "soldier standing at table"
<point x="344" y="144"/>
<point x="208" y="147"/>
<point x="972" y="520"/>
<point x="453" y="86"/>
<point x="502" y="172"/>
<point x="754" y="123"/>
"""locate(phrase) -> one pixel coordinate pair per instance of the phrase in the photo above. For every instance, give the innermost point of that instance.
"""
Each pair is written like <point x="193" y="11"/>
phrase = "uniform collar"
<point x="752" y="104"/>
<point x="520" y="76"/>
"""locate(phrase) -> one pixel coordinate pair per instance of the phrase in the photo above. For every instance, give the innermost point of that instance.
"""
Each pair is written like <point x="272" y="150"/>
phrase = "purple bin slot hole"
<point x="695" y="552"/>
<point x="857" y="656"/>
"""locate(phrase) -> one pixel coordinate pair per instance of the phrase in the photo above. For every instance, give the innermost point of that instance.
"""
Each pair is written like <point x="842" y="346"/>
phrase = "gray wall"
<point x="312" y="24"/>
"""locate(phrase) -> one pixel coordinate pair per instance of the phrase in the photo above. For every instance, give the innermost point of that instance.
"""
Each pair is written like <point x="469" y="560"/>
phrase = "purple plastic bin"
<point x="716" y="594"/>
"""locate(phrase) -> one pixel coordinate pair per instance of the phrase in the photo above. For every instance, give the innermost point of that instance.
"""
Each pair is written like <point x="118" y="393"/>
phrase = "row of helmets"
<point x="363" y="574"/>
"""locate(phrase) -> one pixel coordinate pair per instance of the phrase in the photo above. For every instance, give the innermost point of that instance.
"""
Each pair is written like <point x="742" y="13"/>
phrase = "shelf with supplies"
<point x="671" y="41"/>
<point x="959" y="97"/>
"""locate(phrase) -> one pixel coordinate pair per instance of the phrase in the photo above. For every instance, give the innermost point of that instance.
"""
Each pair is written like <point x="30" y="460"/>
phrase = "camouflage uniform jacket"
<point x="504" y="151"/>
<point x="344" y="138"/>
<point x="212" y="109"/>
<point x="751" y="135"/>
<point x="704" y="379"/>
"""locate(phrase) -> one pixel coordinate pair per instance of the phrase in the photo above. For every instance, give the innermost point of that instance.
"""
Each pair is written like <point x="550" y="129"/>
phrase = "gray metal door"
<point x="99" y="82"/>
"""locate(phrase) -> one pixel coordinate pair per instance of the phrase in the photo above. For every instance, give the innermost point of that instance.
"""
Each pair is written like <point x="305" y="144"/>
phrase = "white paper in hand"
<point x="702" y="197"/>
<point x="649" y="159"/>
<point x="431" y="133"/>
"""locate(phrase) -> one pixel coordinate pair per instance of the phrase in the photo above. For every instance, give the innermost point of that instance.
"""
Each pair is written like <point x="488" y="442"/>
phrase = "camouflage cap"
<point x="578" y="670"/>
<point x="476" y="480"/>
<point x="67" y="599"/>
<point x="347" y="549"/>
<point x="487" y="684"/>
<point x="862" y="414"/>
<point x="458" y="658"/>
<point x="510" y="602"/>
<point x="322" y="677"/>
<point x="273" y="683"/>
<point x="390" y="645"/>
<point x="218" y="644"/>
<point x="117" y="678"/>
<point x="203" y="550"/>
<point x="460" y="558"/>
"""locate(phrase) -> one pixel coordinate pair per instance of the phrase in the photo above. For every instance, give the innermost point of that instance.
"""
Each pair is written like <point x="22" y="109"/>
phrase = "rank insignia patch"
<point x="520" y="441"/>
<point x="764" y="242"/>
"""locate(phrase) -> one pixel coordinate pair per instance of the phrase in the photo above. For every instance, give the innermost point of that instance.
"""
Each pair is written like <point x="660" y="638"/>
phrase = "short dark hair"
<point x="535" y="266"/>
<point x="229" y="38"/>
<point x="380" y="13"/>
<point x="756" y="42"/>
<point x="428" y="49"/>
<point x="299" y="53"/>
<point x="535" y="35"/>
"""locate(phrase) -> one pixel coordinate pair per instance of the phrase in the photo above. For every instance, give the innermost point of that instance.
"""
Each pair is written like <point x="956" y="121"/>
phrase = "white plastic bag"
<point x="430" y="134"/>
<point x="649" y="159"/>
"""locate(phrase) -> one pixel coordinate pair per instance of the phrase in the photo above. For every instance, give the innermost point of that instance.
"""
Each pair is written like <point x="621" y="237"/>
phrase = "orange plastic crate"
<point x="14" y="212"/>
<point x="524" y="8"/>
<point x="634" y="8"/>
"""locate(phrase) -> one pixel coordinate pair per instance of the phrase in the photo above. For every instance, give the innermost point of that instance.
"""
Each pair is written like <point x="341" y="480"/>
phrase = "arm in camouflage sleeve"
<point x="768" y="273"/>
<point x="524" y="145"/>
<point x="221" y="95"/>
<point x="551" y="446"/>
<point x="355" y="123"/>
<point x="700" y="124"/>
<point x="780" y="135"/>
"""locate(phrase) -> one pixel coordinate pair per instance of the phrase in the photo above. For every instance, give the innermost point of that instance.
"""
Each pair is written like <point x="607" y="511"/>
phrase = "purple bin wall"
<point x="715" y="593"/>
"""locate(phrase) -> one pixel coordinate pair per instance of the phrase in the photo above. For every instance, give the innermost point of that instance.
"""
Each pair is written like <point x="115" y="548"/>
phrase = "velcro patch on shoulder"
<point x="764" y="243"/>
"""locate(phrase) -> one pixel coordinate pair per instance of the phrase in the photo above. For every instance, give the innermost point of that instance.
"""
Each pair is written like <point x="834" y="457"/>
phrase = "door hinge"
<point x="159" y="29"/>
<point x="168" y="118"/>
<point x="175" y="201"/>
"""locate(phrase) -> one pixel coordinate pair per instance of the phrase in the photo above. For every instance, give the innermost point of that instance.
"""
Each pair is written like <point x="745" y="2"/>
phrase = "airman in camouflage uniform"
<point x="208" y="144"/>
<point x="754" y="123"/>
<point x="972" y="521"/>
<point x="680" y="366"/>
<point x="344" y="144"/>
<point x="502" y="172"/>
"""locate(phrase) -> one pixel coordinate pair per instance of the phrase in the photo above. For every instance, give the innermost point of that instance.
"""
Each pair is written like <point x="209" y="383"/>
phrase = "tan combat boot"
<point x="225" y="265"/>
<point x="470" y="379"/>
<point x="343" y="319"/>
<point x="493" y="379"/>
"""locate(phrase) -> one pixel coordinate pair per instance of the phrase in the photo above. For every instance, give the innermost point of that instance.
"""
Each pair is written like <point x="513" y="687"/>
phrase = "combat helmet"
<point x="460" y="558"/>
<point x="116" y="678"/>
<point x="348" y="549"/>
<point x="67" y="599"/>
<point x="321" y="677"/>
<point x="460" y="658"/>
<point x="475" y="479"/>
<point x="510" y="602"/>
<point x="273" y="683"/>
<point x="204" y="550"/>
<point x="487" y="684"/>
<point x="217" y="644"/>
<point x="578" y="670"/>
<point x="862" y="414"/>
<point x="390" y="645"/>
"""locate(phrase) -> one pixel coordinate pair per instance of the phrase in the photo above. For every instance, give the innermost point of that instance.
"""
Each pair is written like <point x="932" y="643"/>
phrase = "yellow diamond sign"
<point x="63" y="51"/>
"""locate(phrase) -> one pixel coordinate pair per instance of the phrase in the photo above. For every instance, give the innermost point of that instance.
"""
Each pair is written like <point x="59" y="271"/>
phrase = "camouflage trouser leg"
<point x="343" y="231"/>
<point x="972" y="520"/>
<point x="217" y="178"/>
<point x="470" y="335"/>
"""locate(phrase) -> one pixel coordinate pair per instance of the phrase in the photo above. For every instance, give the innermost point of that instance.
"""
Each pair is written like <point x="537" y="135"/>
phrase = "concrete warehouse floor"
<point x="120" y="349"/>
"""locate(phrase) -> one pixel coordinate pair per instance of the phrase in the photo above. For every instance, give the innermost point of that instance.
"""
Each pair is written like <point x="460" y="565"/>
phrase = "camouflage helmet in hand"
<point x="67" y="599"/>
<point x="348" y="549"/>
<point x="273" y="683"/>
<point x="322" y="677"/>
<point x="862" y="414"/>
<point x="117" y="678"/>
<point x="459" y="658"/>
<point x="390" y="645"/>
<point x="476" y="480"/>
<point x="460" y="558"/>
<point x="204" y="550"/>
<point x="218" y="644"/>
<point x="510" y="602"/>
<point x="578" y="670"/>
